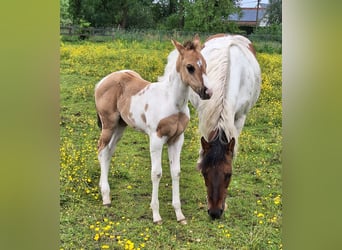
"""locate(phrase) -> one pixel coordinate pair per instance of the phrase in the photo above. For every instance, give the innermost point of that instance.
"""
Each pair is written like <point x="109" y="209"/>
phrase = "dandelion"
<point x="260" y="215"/>
<point x="277" y="200"/>
<point x="104" y="247"/>
<point x="96" y="237"/>
<point x="258" y="172"/>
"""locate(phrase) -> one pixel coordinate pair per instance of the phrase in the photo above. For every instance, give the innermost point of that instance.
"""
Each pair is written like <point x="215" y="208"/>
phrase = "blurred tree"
<point x="194" y="15"/>
<point x="210" y="15"/>
<point x="274" y="12"/>
<point x="65" y="18"/>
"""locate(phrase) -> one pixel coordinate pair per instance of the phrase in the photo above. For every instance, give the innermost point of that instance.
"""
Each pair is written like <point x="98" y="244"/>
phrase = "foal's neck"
<point x="179" y="91"/>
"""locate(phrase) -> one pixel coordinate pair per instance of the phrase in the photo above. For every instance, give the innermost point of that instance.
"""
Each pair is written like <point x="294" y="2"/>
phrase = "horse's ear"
<point x="205" y="145"/>
<point x="231" y="145"/>
<point x="178" y="46"/>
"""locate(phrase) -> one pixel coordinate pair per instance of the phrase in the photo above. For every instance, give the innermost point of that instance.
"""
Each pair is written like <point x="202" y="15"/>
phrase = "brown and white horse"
<point x="158" y="109"/>
<point x="235" y="78"/>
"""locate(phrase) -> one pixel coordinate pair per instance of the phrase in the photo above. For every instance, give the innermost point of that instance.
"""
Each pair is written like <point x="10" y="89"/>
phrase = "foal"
<point x="158" y="109"/>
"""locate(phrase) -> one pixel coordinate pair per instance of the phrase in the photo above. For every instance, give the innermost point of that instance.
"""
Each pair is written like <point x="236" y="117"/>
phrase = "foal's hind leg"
<point x="174" y="150"/>
<point x="110" y="135"/>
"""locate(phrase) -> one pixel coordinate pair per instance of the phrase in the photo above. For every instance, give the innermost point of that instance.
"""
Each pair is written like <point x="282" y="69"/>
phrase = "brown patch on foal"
<point x="172" y="126"/>
<point x="143" y="118"/>
<point x="113" y="98"/>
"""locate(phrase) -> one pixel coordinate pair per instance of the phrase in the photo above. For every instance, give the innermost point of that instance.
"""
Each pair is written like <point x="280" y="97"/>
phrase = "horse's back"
<point x="234" y="76"/>
<point x="232" y="63"/>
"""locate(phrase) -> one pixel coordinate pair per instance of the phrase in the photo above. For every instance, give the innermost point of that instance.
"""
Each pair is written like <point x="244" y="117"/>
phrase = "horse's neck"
<point x="178" y="91"/>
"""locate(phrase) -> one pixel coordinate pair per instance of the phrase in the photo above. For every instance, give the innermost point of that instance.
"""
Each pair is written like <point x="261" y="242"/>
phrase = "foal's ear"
<point x="178" y="46"/>
<point x="231" y="145"/>
<point x="205" y="145"/>
<point x="197" y="42"/>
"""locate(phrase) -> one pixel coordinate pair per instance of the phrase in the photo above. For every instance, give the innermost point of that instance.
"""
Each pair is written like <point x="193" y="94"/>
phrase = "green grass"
<point x="254" y="216"/>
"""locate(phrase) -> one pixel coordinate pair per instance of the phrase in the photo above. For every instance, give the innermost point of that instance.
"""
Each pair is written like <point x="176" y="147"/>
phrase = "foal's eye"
<point x="190" y="68"/>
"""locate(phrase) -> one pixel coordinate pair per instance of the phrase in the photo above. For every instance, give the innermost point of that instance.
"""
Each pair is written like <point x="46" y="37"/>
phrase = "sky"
<point x="251" y="3"/>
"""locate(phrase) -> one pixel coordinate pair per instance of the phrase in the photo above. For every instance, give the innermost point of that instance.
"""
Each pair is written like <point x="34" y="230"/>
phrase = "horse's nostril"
<point x="215" y="213"/>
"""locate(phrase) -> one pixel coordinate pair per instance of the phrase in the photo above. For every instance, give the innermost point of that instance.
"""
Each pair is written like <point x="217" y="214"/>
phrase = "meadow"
<point x="253" y="219"/>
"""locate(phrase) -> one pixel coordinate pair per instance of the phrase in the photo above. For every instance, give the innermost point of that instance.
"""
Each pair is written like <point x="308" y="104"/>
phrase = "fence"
<point x="74" y="33"/>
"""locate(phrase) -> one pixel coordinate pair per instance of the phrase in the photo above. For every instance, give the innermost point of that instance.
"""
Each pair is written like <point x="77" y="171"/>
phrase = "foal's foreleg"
<point x="174" y="150"/>
<point x="156" y="147"/>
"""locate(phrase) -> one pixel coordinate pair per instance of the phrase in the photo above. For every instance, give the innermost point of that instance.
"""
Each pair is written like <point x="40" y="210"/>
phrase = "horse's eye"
<point x="227" y="176"/>
<point x="190" y="68"/>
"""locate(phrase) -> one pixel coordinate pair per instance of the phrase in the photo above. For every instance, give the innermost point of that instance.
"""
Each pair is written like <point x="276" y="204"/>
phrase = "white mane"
<point x="170" y="66"/>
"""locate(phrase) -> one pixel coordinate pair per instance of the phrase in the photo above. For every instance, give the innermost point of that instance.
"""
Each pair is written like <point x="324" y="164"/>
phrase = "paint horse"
<point x="235" y="78"/>
<point x="158" y="109"/>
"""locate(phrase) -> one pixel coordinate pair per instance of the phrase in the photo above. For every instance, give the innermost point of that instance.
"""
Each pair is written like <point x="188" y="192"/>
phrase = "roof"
<point x="248" y="15"/>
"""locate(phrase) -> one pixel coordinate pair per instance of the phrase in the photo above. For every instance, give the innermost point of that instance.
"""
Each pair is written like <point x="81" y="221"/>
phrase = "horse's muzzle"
<point x="215" y="213"/>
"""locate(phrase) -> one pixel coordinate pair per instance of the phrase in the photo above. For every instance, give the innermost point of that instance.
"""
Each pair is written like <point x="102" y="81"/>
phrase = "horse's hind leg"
<point x="174" y="150"/>
<point x="110" y="135"/>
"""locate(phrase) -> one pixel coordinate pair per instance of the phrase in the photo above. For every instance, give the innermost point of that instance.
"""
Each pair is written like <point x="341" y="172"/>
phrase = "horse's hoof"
<point x="183" y="222"/>
<point x="159" y="222"/>
<point x="107" y="205"/>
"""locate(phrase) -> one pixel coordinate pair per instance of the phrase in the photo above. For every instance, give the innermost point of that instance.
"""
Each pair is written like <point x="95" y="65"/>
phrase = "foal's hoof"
<point x="159" y="222"/>
<point x="107" y="205"/>
<point x="225" y="206"/>
<point x="183" y="222"/>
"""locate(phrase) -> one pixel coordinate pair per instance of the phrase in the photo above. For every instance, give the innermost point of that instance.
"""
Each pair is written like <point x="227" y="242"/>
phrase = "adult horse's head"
<point x="216" y="168"/>
<point x="192" y="66"/>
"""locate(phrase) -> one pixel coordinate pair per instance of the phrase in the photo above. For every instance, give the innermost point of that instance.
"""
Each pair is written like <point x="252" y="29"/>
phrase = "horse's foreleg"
<point x="156" y="147"/>
<point x="174" y="150"/>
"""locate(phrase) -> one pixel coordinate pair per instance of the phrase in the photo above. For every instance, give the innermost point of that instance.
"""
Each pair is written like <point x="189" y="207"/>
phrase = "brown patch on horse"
<point x="172" y="126"/>
<point x="215" y="36"/>
<point x="252" y="49"/>
<point x="146" y="107"/>
<point x="113" y="97"/>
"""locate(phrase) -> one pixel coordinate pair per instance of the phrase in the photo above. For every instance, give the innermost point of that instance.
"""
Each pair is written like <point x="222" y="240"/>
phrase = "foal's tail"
<point x="99" y="123"/>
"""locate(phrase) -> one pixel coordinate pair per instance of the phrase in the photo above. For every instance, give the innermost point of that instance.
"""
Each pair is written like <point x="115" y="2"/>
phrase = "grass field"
<point x="254" y="216"/>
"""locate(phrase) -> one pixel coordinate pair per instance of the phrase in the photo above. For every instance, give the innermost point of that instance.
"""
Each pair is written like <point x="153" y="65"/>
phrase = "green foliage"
<point x="65" y="17"/>
<point x="200" y="15"/>
<point x="254" y="216"/>
<point x="274" y="12"/>
<point x="268" y="33"/>
<point x="203" y="15"/>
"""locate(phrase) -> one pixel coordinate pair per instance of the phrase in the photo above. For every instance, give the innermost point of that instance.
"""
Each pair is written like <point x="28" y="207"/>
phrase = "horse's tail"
<point x="99" y="122"/>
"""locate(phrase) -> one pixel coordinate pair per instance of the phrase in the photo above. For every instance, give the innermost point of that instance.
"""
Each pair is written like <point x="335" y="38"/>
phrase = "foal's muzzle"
<point x="205" y="93"/>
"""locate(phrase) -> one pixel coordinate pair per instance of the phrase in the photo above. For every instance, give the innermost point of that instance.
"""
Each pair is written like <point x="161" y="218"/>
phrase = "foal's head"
<point x="216" y="168"/>
<point x="192" y="66"/>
